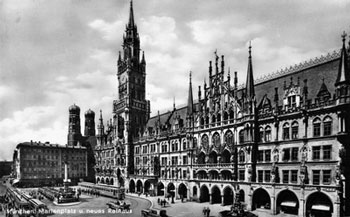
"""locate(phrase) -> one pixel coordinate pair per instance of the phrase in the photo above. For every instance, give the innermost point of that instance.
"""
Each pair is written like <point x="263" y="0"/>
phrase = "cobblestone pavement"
<point x="194" y="209"/>
<point x="96" y="206"/>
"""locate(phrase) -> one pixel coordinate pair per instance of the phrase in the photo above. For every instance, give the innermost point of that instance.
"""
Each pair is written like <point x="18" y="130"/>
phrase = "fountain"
<point x="66" y="194"/>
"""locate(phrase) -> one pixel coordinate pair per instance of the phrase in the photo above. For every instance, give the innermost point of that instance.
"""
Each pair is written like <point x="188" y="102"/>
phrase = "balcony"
<point x="214" y="165"/>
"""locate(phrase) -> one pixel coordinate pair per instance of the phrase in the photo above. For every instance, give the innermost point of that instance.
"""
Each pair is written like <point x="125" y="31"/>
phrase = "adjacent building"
<point x="5" y="168"/>
<point x="277" y="143"/>
<point x="38" y="164"/>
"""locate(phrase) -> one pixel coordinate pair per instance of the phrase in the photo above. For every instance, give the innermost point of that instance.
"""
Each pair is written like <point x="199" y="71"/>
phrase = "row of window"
<point x="172" y="174"/>
<point x="291" y="176"/>
<point x="164" y="148"/>
<point x="292" y="131"/>
<point x="174" y="160"/>
<point x="292" y="154"/>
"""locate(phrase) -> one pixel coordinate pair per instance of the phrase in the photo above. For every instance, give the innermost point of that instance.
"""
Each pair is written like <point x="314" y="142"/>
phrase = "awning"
<point x="289" y="203"/>
<point x="321" y="207"/>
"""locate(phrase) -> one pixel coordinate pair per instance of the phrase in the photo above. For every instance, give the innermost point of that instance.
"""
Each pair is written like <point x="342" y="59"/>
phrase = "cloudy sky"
<point x="59" y="52"/>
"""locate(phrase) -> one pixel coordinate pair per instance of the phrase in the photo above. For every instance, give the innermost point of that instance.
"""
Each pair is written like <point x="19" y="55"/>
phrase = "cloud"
<point x="31" y="124"/>
<point x="108" y="30"/>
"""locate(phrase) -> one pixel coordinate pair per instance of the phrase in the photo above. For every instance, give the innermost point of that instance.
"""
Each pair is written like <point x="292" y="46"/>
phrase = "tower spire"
<point x="190" y="98"/>
<point x="250" y="93"/>
<point x="131" y="15"/>
<point x="343" y="76"/>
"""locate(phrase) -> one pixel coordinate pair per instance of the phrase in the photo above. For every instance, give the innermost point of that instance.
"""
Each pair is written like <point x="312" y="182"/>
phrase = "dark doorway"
<point x="160" y="189"/>
<point x="318" y="204"/>
<point x="287" y="202"/>
<point x="215" y="195"/>
<point x="139" y="186"/>
<point x="204" y="197"/>
<point x="132" y="186"/>
<point x="182" y="190"/>
<point x="261" y="199"/>
<point x="228" y="196"/>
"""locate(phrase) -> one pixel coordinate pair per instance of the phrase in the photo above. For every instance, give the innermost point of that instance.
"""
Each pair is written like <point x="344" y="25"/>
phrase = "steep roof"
<point x="315" y="71"/>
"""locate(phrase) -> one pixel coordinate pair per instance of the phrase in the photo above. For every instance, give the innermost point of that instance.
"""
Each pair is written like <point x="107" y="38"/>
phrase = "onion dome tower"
<point x="74" y="133"/>
<point x="89" y="123"/>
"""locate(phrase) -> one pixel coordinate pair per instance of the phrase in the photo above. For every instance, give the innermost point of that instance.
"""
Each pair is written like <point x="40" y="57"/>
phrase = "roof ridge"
<point x="297" y="67"/>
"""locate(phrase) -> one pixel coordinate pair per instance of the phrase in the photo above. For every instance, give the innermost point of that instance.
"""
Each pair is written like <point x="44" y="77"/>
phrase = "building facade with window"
<point x="277" y="143"/>
<point x="38" y="164"/>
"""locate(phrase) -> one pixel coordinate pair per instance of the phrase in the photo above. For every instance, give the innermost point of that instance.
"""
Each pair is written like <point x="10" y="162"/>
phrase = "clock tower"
<point x="131" y="111"/>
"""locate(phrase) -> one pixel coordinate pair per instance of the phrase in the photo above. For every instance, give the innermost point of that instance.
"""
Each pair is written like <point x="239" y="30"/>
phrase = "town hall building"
<point x="277" y="143"/>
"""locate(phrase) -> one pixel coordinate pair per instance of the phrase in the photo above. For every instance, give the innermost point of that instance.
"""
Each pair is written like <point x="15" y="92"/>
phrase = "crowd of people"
<point x="92" y="192"/>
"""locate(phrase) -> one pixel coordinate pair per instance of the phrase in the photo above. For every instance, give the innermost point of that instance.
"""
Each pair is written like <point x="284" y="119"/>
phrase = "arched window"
<point x="241" y="157"/>
<point x="218" y="119"/>
<point x="216" y="140"/>
<point x="207" y="121"/>
<point x="286" y="131"/>
<point x="202" y="122"/>
<point x="327" y="126"/>
<point x="241" y="136"/>
<point x="225" y="117"/>
<point x="295" y="130"/>
<point x="261" y="134"/>
<point x="229" y="138"/>
<point x="317" y="127"/>
<point x="184" y="144"/>
<point x="205" y="141"/>
<point x="267" y="134"/>
<point x="194" y="142"/>
<point x="213" y="120"/>
<point x="231" y="116"/>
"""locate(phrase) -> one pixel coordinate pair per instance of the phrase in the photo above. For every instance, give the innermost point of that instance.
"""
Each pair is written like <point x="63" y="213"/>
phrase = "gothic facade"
<point x="277" y="144"/>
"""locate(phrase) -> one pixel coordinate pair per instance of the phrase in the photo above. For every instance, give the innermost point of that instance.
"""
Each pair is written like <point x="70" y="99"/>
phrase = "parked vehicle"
<point x="154" y="213"/>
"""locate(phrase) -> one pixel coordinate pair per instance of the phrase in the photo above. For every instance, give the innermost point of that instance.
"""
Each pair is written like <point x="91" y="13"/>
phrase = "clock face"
<point x="123" y="78"/>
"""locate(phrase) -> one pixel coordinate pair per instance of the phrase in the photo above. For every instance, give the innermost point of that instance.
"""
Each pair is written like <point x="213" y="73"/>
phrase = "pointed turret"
<point x="250" y="93"/>
<point x="343" y="73"/>
<point x="120" y="57"/>
<point x="131" y="23"/>
<point x="190" y="98"/>
<point x="143" y="60"/>
<point x="100" y="126"/>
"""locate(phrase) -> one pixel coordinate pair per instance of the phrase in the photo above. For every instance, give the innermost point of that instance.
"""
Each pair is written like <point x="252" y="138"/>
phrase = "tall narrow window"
<point x="286" y="131"/>
<point x="241" y="175"/>
<point x="241" y="156"/>
<point x="260" y="175"/>
<point x="295" y="152"/>
<point x="327" y="126"/>
<point x="327" y="152"/>
<point x="317" y="127"/>
<point x="295" y="130"/>
<point x="292" y="101"/>
<point x="316" y="150"/>
<point x="241" y="136"/>
<point x="261" y="155"/>
<point x="267" y="134"/>
<point x="267" y="175"/>
<point x="316" y="177"/>
<point x="216" y="140"/>
<point x="326" y="177"/>
<point x="261" y="134"/>
<point x="286" y="154"/>
<point x="267" y="155"/>
<point x="294" y="178"/>
<point x="285" y="176"/>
